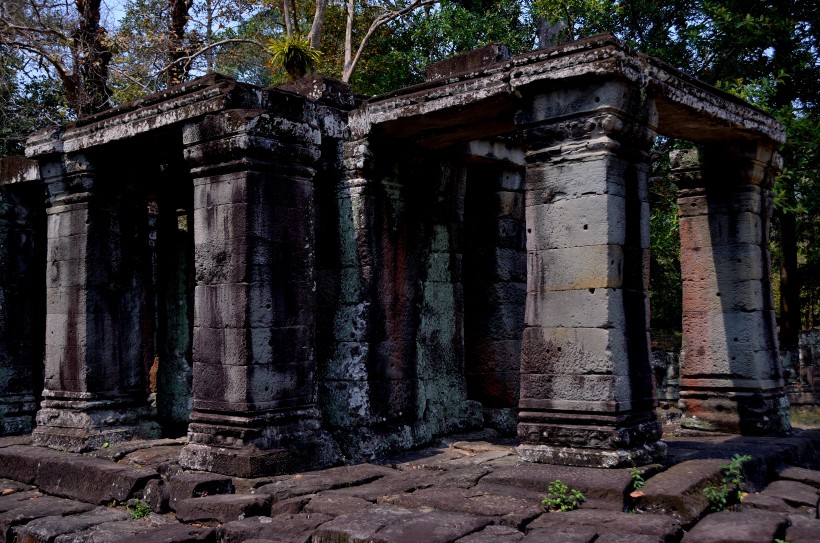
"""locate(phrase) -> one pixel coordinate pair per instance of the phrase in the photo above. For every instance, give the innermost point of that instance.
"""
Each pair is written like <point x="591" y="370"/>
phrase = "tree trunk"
<point x="90" y="93"/>
<point x="179" y="20"/>
<point x="315" y="35"/>
<point x="789" y="281"/>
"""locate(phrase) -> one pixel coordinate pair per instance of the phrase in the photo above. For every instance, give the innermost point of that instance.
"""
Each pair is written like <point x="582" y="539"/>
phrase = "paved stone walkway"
<point x="468" y="491"/>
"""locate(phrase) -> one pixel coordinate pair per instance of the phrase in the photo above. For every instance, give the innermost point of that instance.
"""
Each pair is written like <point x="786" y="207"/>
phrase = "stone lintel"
<point x="649" y="453"/>
<point x="689" y="109"/>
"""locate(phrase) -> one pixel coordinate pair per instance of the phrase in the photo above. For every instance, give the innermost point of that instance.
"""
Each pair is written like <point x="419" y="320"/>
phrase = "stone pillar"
<point x="731" y="378"/>
<point x="98" y="335"/>
<point x="254" y="300"/>
<point x="587" y="394"/>
<point x="22" y="292"/>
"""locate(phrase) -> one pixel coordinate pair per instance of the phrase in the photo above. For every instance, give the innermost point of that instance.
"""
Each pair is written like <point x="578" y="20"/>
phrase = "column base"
<point x="593" y="458"/>
<point x="17" y="414"/>
<point x="254" y="446"/>
<point x="744" y="413"/>
<point x="80" y="426"/>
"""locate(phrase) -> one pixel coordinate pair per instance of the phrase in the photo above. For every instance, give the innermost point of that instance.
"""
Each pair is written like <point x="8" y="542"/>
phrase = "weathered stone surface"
<point x="605" y="485"/>
<point x="38" y="507"/>
<point x="333" y="504"/>
<point x="223" y="507"/>
<point x="435" y="527"/>
<point x="287" y="486"/>
<point x="504" y="508"/>
<point x="195" y="485"/>
<point x="47" y="529"/>
<point x="793" y="493"/>
<point x="91" y="480"/>
<point x="802" y="529"/>
<point x="408" y="481"/>
<point x="766" y="503"/>
<point x="801" y="475"/>
<point x="747" y="526"/>
<point x="661" y="526"/>
<point x="15" y="499"/>
<point x="566" y="534"/>
<point x="678" y="491"/>
<point x="281" y="528"/>
<point x="174" y="533"/>
<point x="494" y="534"/>
<point x="290" y="506"/>
<point x="362" y="525"/>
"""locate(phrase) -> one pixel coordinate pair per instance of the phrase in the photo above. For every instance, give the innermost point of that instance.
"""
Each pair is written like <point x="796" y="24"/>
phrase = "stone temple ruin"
<point x="302" y="275"/>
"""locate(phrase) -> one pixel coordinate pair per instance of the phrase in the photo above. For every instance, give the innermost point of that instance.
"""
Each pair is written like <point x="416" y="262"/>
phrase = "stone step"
<point x="73" y="476"/>
<point x="751" y="526"/>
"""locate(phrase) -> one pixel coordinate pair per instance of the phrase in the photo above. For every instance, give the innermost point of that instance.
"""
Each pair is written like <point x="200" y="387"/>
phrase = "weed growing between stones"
<point x="638" y="481"/>
<point x="562" y="498"/>
<point x="138" y="509"/>
<point x="731" y="491"/>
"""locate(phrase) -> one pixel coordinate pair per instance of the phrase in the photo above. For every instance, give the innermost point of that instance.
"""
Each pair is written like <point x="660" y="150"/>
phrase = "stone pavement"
<point x="470" y="491"/>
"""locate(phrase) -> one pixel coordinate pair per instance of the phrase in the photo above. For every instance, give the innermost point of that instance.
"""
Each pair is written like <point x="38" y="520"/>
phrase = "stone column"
<point x="22" y="232"/>
<point x="254" y="300"/>
<point x="731" y="378"/>
<point x="587" y="394"/>
<point x="98" y="335"/>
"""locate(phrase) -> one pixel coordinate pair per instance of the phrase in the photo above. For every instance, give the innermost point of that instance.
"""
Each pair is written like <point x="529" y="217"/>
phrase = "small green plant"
<point x="138" y="509"/>
<point x="638" y="482"/>
<point x="295" y="54"/>
<point x="731" y="489"/>
<point x="562" y="498"/>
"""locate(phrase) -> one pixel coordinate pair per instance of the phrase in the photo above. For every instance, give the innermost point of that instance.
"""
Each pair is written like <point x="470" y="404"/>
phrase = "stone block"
<point x="589" y="220"/>
<point x="433" y="527"/>
<point x="174" y="533"/>
<point x="574" y="268"/>
<point x="44" y="506"/>
<point x="802" y="529"/>
<point x="678" y="491"/>
<point x="494" y="534"/>
<point x="505" y="508"/>
<point x="574" y="351"/>
<point x="334" y="504"/>
<point x="664" y="528"/>
<point x="195" y="485"/>
<point x="362" y="525"/>
<point x="751" y="526"/>
<point x="727" y="295"/>
<point x="801" y="475"/>
<point x="566" y="534"/>
<point x="47" y="529"/>
<point x="297" y="528"/>
<point x="794" y="493"/>
<point x="222" y="507"/>
<point x="725" y="264"/>
<point x="724" y="331"/>
<point x="287" y="486"/>
<point x="705" y="231"/>
<point x="587" y="308"/>
<point x="577" y="388"/>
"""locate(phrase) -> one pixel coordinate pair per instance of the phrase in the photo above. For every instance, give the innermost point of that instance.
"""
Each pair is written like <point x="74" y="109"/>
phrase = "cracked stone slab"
<point x="730" y="527"/>
<point x="333" y="504"/>
<point x="610" y="485"/>
<point x="287" y="486"/>
<point x="644" y="524"/>
<point x="801" y="475"/>
<point x="194" y="485"/>
<point x="678" y="491"/>
<point x="362" y="525"/>
<point x="115" y="532"/>
<point x="509" y="510"/>
<point x="174" y="533"/>
<point x="803" y="529"/>
<point x="567" y="534"/>
<point x="284" y="528"/>
<point x="47" y="529"/>
<point x="793" y="493"/>
<point x="494" y="534"/>
<point x="432" y="527"/>
<point x="38" y="507"/>
<point x="223" y="507"/>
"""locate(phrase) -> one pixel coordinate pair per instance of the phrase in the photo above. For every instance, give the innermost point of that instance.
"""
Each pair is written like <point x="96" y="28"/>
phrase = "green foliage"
<point x="731" y="489"/>
<point x="139" y="509"/>
<point x="562" y="498"/>
<point x="294" y="54"/>
<point x="638" y="482"/>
